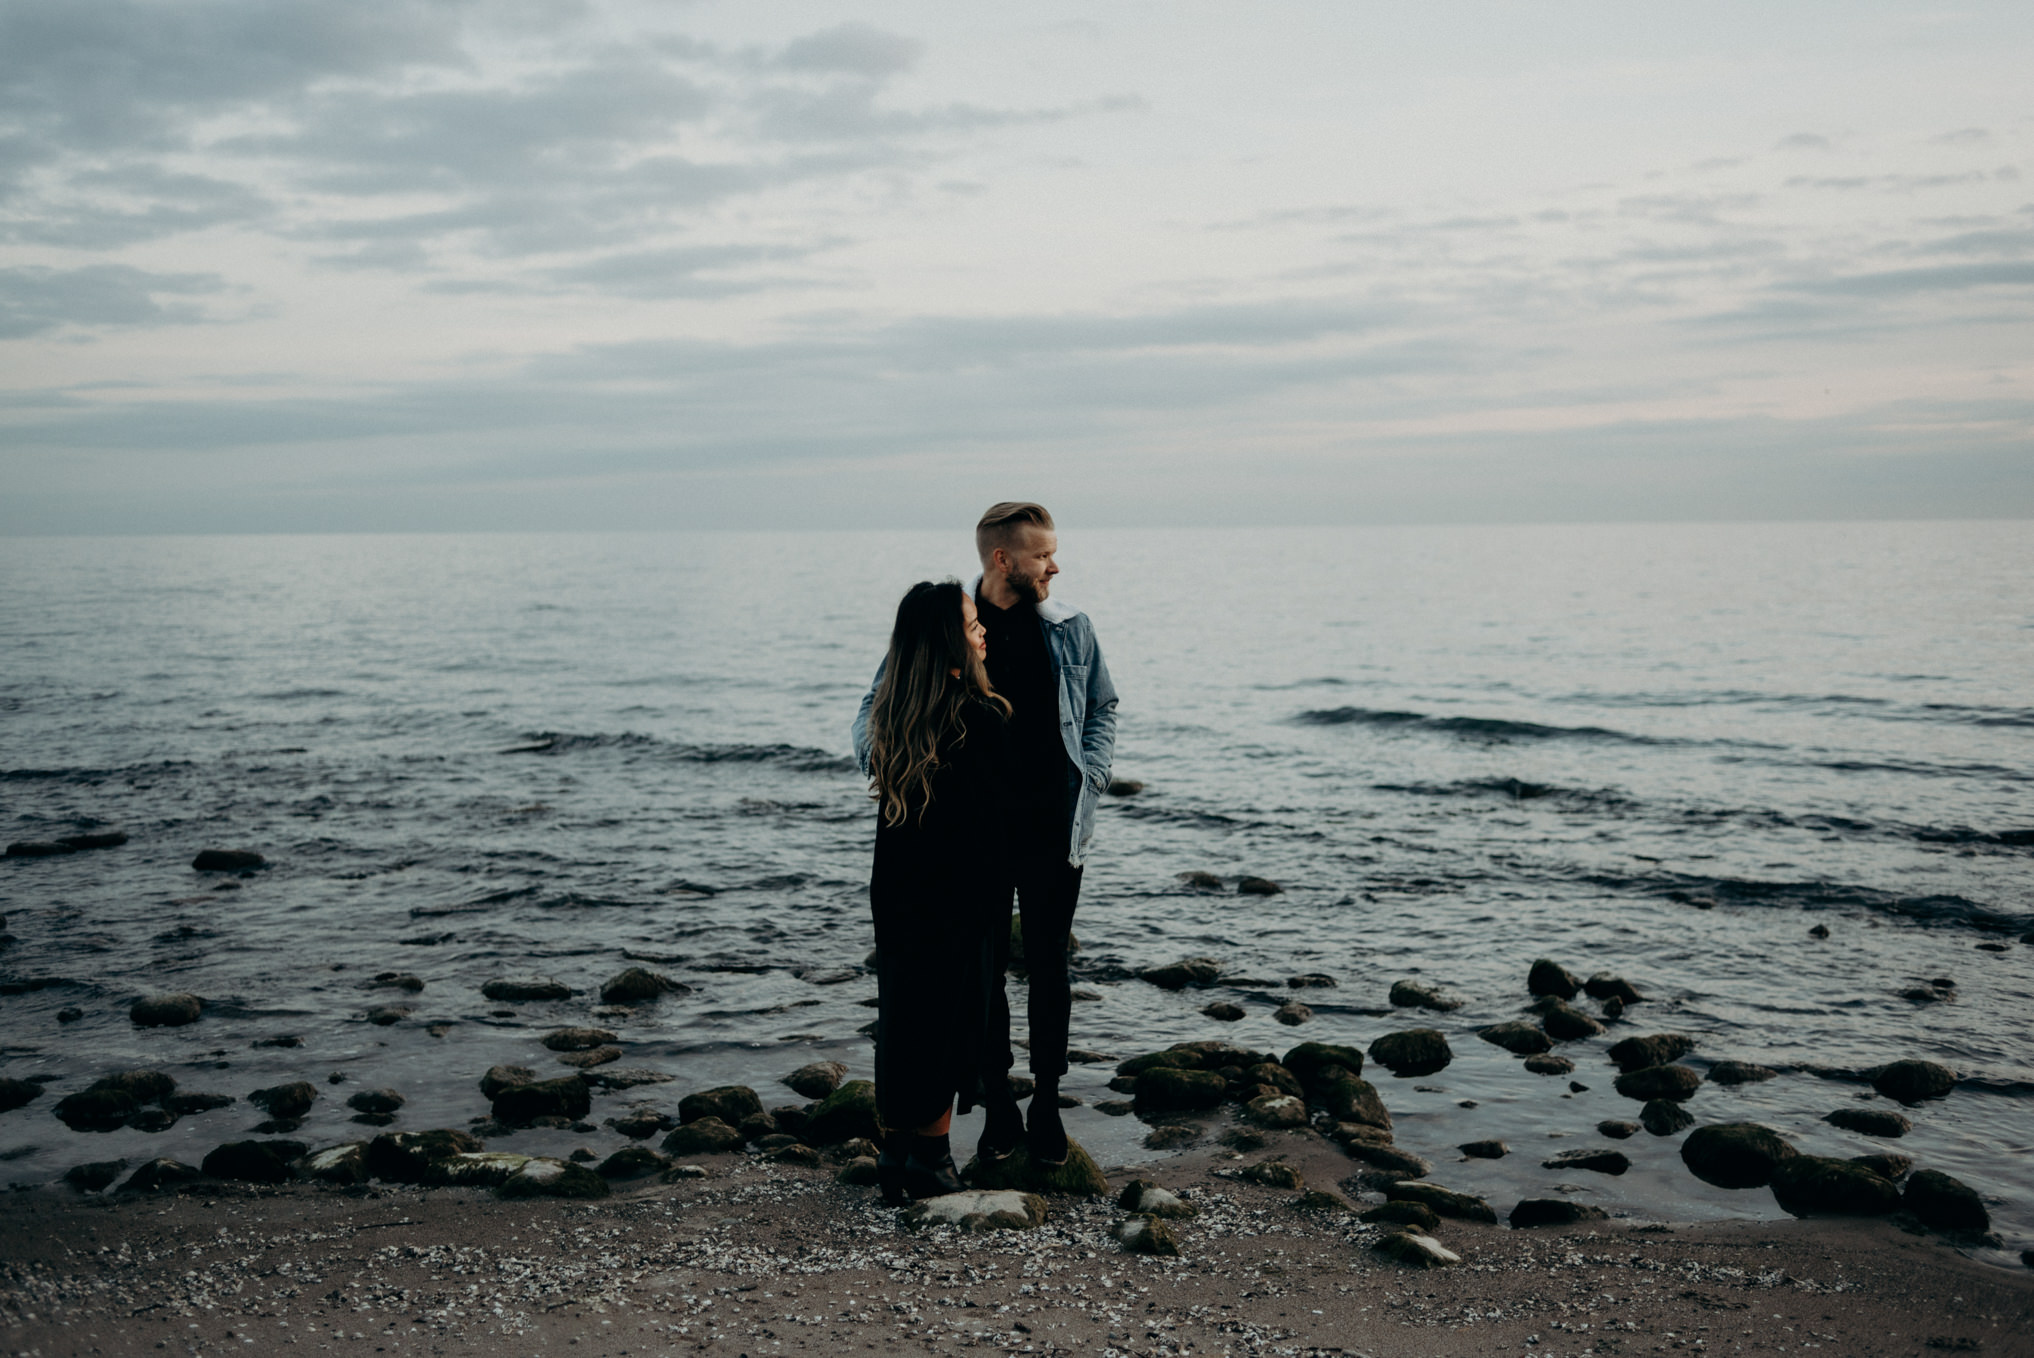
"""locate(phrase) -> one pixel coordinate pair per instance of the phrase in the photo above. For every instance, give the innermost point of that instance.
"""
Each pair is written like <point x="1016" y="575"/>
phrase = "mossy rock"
<point x="1445" y="1201"/>
<point x="1079" y="1177"/>
<point x="1818" y="1185"/>
<point x="1403" y="1214"/>
<point x="843" y="1115"/>
<point x="546" y="1178"/>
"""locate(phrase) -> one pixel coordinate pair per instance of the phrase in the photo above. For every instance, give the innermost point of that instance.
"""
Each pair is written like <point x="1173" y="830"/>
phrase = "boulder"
<point x="1817" y="1185"/>
<point x="96" y="1110"/>
<point x="1079" y="1177"/>
<point x="159" y="1174"/>
<point x="1549" y="1065"/>
<point x="566" y="1097"/>
<point x="524" y="989"/>
<point x="15" y="1093"/>
<point x="260" y="1162"/>
<point x="1735" y="1154"/>
<point x="1659" y="1082"/>
<point x="1444" y="1201"/>
<point x="499" y="1078"/>
<point x="1275" y="1174"/>
<point x="639" y="1124"/>
<point x="1276" y="1110"/>
<point x="413" y="1157"/>
<point x="292" y="1100"/>
<point x="1178" y="1058"/>
<point x="1565" y="1023"/>
<point x="1415" y="1051"/>
<point x="634" y="985"/>
<point x="227" y="860"/>
<point x="1310" y="980"/>
<point x="1402" y="1214"/>
<point x="1606" y="985"/>
<point x="1739" y="1073"/>
<point x="1223" y="1011"/>
<point x="1533" y="1212"/>
<point x="1944" y="1203"/>
<point x="1272" y="1074"/>
<point x="1147" y="1235"/>
<point x="378" y="1101"/>
<point x="843" y="1115"/>
<point x="1518" y="1037"/>
<point x="165" y="1011"/>
<point x="1292" y="1013"/>
<point x="95" y="1177"/>
<point x="816" y="1080"/>
<point x="632" y="1162"/>
<point x="1891" y="1168"/>
<point x="999" y="1210"/>
<point x="1308" y="1060"/>
<point x="1910" y="1082"/>
<point x="1257" y="886"/>
<point x="1149" y="1199"/>
<point x="1415" y="1250"/>
<point x="577" y="1039"/>
<point x="1882" y="1122"/>
<point x="1664" y="1117"/>
<point x="1385" y="1156"/>
<point x="703" y="1136"/>
<point x="1346" y="1097"/>
<point x="1195" y="971"/>
<point x="1657" y="1049"/>
<point x="1597" y="1161"/>
<point x="1166" y="1089"/>
<point x="143" y="1086"/>
<point x="1485" y="1150"/>
<point x="345" y="1164"/>
<point x="1551" y="978"/>
<point x="544" y="1178"/>
<point x="1619" y="1131"/>
<point x="1420" y="995"/>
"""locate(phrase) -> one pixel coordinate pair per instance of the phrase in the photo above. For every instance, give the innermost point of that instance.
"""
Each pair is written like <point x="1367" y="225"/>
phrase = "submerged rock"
<point x="1599" y="1161"/>
<point x="396" y="980"/>
<point x="15" y="1093"/>
<point x="1944" y="1203"/>
<point x="38" y="848"/>
<point x="816" y="1080"/>
<point x="1420" y="995"/>
<point x="499" y="1078"/>
<point x="577" y="1039"/>
<point x="1817" y="1185"/>
<point x="1735" y="1154"/>
<point x="228" y="860"/>
<point x="1535" y="1212"/>
<point x="291" y="1100"/>
<point x="524" y="989"/>
<point x="1551" y="978"/>
<point x="1565" y="1023"/>
<point x="1882" y="1122"/>
<point x="1292" y="1013"/>
<point x="1201" y="881"/>
<point x="1911" y="1082"/>
<point x="1485" y="1150"/>
<point x="634" y="985"/>
<point x="1124" y="787"/>
<point x="1079" y="1177"/>
<point x="1518" y="1037"/>
<point x="96" y="1110"/>
<point x="1223" y="1011"/>
<point x="1310" y="980"/>
<point x="1415" y="1051"/>
<point x="586" y="1060"/>
<point x="1606" y="985"/>
<point x="166" y="1011"/>
<point x="1000" y="1210"/>
<point x="1257" y="886"/>
<point x="1664" y="1117"/>
<point x="1195" y="971"/>
<point x="1739" y="1073"/>
<point x="1657" y="1049"/>
<point x="1550" y="1065"/>
<point x="377" y="1101"/>
<point x="1659" y="1082"/>
<point x="1444" y="1201"/>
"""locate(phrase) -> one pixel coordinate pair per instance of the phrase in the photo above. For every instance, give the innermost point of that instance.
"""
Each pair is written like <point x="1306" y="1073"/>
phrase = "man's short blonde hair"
<point x="1001" y="523"/>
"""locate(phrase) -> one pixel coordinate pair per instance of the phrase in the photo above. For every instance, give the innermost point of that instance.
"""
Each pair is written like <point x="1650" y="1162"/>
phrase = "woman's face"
<point x="972" y="629"/>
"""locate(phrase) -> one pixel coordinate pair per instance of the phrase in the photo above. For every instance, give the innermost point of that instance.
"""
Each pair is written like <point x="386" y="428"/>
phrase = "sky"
<point x="391" y="265"/>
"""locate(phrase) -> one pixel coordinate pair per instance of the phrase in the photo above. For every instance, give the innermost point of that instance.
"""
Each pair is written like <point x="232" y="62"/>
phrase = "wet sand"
<point x="761" y="1258"/>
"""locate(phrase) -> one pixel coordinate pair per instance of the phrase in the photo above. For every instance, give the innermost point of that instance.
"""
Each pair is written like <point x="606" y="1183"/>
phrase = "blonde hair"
<point x="920" y="698"/>
<point x="1002" y="522"/>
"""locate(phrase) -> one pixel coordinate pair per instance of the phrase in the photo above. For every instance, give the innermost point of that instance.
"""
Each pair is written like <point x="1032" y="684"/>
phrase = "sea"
<point x="1680" y="753"/>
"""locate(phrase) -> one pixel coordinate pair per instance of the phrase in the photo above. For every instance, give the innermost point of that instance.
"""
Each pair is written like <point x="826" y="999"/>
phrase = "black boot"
<point x="1002" y="1128"/>
<point x="1046" y="1134"/>
<point x="890" y="1162"/>
<point x="928" y="1167"/>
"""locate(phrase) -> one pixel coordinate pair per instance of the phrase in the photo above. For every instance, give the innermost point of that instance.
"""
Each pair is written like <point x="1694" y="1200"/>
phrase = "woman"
<point x="940" y="887"/>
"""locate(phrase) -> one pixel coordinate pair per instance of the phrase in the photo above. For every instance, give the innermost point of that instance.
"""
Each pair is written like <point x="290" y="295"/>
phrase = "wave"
<point x="1517" y="790"/>
<point x="800" y="758"/>
<point x="1706" y="892"/>
<point x="1478" y="728"/>
<point x="84" y="775"/>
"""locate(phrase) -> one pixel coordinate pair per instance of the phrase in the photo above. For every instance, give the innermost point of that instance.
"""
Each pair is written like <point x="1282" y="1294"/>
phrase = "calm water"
<point x="1663" y="751"/>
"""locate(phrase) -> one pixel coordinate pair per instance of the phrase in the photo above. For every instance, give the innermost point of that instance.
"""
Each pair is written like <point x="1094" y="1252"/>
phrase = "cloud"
<point x="852" y="49"/>
<point x="678" y="271"/>
<point x="36" y="300"/>
<point x="1803" y="141"/>
<point x="1909" y="282"/>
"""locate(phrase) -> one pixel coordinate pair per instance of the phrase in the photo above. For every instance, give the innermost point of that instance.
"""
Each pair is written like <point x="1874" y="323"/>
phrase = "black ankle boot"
<point x="928" y="1167"/>
<point x="1046" y="1134"/>
<point x="1002" y="1129"/>
<point x="890" y="1163"/>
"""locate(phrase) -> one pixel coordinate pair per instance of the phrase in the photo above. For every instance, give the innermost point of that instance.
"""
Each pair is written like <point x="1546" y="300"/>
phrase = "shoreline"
<point x="762" y="1257"/>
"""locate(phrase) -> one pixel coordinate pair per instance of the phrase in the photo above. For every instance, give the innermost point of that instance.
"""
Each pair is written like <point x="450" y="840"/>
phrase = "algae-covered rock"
<point x="1194" y="971"/>
<point x="632" y="1162"/>
<point x="1740" y="1073"/>
<point x="1275" y="1174"/>
<point x="843" y="1115"/>
<point x="567" y="1097"/>
<point x="1414" y="1051"/>
<point x="635" y="985"/>
<point x="342" y="1164"/>
<point x="166" y="1011"/>
<point x="1605" y="985"/>
<point x="1383" y="1155"/>
<point x="1349" y="1098"/>
<point x="1309" y="1060"/>
<point x="1881" y="1122"/>
<point x="1654" y="1049"/>
<point x="545" y="1178"/>
<point x="1403" y="1214"/>
<point x="1486" y="1150"/>
<point x="703" y="1136"/>
<point x="577" y="1039"/>
<point x="411" y="1157"/>
<point x="1079" y="1177"/>
<point x="499" y="1078"/>
<point x="291" y="1100"/>
<point x="1664" y="1117"/>
<point x="1445" y="1201"/>
<point x="1292" y="1013"/>
<point x="1421" y="995"/>
<point x="1167" y="1089"/>
<point x="1659" y="1082"/>
<point x="1545" y="1064"/>
<point x="817" y="1079"/>
<point x="477" y="1169"/>
<point x="1596" y="1160"/>
<point x="1565" y="1023"/>
<point x="1276" y="1110"/>
<point x="1518" y="1037"/>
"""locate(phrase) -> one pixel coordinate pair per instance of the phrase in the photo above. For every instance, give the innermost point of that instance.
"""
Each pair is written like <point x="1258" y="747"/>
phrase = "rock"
<point x="1659" y="1082"/>
<point x="499" y="1078"/>
<point x="817" y="1080"/>
<point x="1658" y="1049"/>
<point x="1619" y="1131"/>
<point x="1817" y="1185"/>
<point x="1344" y="1132"/>
<point x="1549" y="1065"/>
<point x="632" y="1162"/>
<point x="578" y="1039"/>
<point x="96" y="1109"/>
<point x="261" y="1162"/>
<point x="1276" y="1110"/>
<point x="1487" y="1150"/>
<point x="1518" y="1037"/>
<point x="1201" y="881"/>
<point x="1079" y="1177"/>
<point x="1551" y="978"/>
<point x="1277" y="1076"/>
<point x="344" y="1164"/>
<point x="1565" y="1023"/>
<point x="1320" y="1201"/>
<point x="1445" y="1201"/>
<point x="765" y="1140"/>
<point x="625" y="1077"/>
<point x="1403" y="1214"/>
<point x="414" y="1157"/>
<point x="678" y="1173"/>
<point x="1735" y="1154"/>
<point x="1415" y="1051"/>
<point x="1910" y="1082"/>
<point x="1275" y="1174"/>
<point x="387" y="1015"/>
<point x="794" y="1155"/>
<point x="1243" y="1139"/>
<point x="1739" y="1073"/>
<point x="859" y="1172"/>
<point x="1292" y="1013"/>
<point x="1309" y="1059"/>
<point x="843" y="1115"/>
<point x="1819" y="931"/>
<point x="1420" y="995"/>
<point x="1891" y="1168"/>
<point x="1385" y="1156"/>
<point x="1177" y="1058"/>
<point x="1196" y="971"/>
<point x="483" y="1169"/>
<point x="1882" y="1122"/>
<point x="162" y="1119"/>
<point x="523" y="989"/>
<point x="228" y="860"/>
<point x="586" y="1060"/>
<point x="375" y="1101"/>
<point x="1310" y="980"/>
<point x="642" y="1123"/>
<point x="1257" y="886"/>
<point x="1945" y="1204"/>
<point x="1613" y="1009"/>
<point x="1664" y="1117"/>
<point x="1416" y="1250"/>
<point x="1533" y="1212"/>
<point x="703" y="1136"/>
<point x="292" y="1100"/>
<point x="38" y="848"/>
<point x="1224" y="1011"/>
<point x="159" y="1174"/>
<point x="1606" y="985"/>
<point x="1124" y="787"/>
<point x="165" y="1011"/>
<point x="1598" y="1161"/>
<point x="1115" y="1108"/>
<point x="15" y="1093"/>
<point x="1166" y="1089"/>
<point x="396" y="980"/>
<point x="1148" y="1198"/>
<point x="634" y="985"/>
<point x="1349" y="1098"/>
<point x="999" y="1210"/>
<point x="70" y="1013"/>
<point x="94" y="1177"/>
<point x="545" y="1178"/>
<point x="566" y="1097"/>
<point x="1171" y="1137"/>
<point x="1147" y="1235"/>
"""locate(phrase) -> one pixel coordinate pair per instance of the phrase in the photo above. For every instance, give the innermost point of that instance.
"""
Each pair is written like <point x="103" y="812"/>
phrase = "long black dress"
<point x="940" y="892"/>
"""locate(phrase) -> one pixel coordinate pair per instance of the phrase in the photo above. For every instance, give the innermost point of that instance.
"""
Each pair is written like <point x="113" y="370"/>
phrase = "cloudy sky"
<point x="389" y="264"/>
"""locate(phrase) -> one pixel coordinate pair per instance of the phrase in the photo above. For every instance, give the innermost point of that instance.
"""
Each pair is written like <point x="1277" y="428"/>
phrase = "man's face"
<point x="1030" y="562"/>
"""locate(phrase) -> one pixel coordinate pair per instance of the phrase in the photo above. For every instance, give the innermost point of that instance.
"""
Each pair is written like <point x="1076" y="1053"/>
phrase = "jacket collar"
<point x="1052" y="610"/>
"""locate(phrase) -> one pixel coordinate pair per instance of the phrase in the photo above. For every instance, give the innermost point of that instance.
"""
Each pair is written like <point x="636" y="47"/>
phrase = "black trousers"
<point x="1047" y="892"/>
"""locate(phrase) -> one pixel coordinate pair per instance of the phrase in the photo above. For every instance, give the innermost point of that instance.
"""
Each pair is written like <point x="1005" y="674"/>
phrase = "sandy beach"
<point x="765" y="1258"/>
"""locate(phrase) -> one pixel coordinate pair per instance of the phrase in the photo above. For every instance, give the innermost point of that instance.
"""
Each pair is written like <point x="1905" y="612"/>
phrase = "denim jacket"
<point x="1087" y="712"/>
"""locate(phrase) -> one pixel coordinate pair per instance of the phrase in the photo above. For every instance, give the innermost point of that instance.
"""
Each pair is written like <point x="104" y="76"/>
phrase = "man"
<point x="1043" y="658"/>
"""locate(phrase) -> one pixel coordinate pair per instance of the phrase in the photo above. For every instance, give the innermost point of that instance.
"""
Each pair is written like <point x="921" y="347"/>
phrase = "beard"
<point x="1030" y="588"/>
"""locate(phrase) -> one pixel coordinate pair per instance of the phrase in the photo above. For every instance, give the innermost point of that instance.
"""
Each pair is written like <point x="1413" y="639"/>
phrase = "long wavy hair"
<point x="921" y="697"/>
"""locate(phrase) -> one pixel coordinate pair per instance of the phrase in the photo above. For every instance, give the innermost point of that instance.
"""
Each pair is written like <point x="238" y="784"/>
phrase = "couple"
<point x="987" y="737"/>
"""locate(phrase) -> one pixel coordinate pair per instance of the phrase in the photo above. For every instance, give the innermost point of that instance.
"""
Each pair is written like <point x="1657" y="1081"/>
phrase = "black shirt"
<point x="1020" y="668"/>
